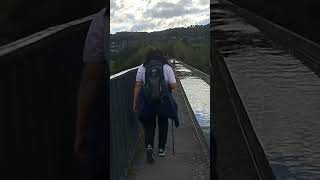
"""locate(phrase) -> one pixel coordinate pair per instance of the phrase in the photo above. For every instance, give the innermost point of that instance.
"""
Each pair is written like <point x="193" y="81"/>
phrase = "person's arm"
<point x="92" y="76"/>
<point x="173" y="86"/>
<point x="171" y="79"/>
<point x="137" y="90"/>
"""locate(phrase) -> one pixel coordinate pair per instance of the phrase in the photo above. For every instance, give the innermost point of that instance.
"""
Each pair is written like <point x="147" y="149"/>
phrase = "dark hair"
<point x="155" y="54"/>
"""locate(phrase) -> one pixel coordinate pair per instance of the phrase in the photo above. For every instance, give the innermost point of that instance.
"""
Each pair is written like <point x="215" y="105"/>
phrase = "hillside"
<point x="191" y="31"/>
<point x="190" y="45"/>
<point x="196" y="33"/>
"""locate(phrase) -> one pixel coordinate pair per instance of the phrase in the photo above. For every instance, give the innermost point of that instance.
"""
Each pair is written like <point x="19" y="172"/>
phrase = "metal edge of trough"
<point x="200" y="135"/>
<point x="256" y="151"/>
<point x="204" y="76"/>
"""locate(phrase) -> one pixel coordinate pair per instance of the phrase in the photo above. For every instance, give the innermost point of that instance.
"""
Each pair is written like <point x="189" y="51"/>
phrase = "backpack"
<point x="155" y="87"/>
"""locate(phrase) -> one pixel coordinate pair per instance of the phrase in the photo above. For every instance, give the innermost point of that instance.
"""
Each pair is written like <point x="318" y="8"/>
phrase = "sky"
<point x="157" y="15"/>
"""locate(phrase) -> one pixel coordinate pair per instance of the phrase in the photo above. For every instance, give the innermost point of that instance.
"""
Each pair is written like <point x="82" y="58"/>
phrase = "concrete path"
<point x="190" y="161"/>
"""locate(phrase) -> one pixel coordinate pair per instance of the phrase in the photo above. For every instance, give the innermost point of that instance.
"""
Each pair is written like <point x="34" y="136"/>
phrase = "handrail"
<point x="39" y="36"/>
<point x="40" y="77"/>
<point x="122" y="73"/>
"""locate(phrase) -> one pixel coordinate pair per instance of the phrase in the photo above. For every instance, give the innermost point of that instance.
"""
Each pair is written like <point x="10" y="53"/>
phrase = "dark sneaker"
<point x="150" y="156"/>
<point x="161" y="152"/>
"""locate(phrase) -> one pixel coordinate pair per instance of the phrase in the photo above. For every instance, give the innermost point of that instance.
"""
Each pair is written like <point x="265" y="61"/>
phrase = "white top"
<point x="167" y="72"/>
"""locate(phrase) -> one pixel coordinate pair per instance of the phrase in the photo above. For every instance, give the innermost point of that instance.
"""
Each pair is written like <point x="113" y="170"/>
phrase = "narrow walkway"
<point x="190" y="161"/>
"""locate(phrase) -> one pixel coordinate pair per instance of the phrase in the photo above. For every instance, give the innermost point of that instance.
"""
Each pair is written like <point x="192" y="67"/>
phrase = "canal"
<point x="198" y="94"/>
<point x="280" y="94"/>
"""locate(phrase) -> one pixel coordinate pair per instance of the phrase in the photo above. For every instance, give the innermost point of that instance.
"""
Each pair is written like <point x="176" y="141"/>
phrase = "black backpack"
<point x="155" y="87"/>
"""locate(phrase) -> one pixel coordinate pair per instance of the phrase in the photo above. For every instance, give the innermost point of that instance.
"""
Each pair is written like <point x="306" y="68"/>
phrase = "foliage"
<point x="194" y="54"/>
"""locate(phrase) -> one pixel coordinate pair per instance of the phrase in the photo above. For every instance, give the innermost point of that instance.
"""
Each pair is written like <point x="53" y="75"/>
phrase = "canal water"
<point x="280" y="94"/>
<point x="198" y="94"/>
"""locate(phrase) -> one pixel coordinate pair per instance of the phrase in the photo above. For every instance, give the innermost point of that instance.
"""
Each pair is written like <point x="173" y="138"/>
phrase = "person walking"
<point x="153" y="99"/>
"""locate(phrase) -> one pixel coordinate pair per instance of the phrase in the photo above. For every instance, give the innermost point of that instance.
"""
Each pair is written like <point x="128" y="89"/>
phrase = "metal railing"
<point x="39" y="78"/>
<point x="238" y="152"/>
<point x="125" y="132"/>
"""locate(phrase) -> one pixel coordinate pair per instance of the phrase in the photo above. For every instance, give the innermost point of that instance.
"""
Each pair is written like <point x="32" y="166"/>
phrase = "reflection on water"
<point x="281" y="95"/>
<point x="198" y="94"/>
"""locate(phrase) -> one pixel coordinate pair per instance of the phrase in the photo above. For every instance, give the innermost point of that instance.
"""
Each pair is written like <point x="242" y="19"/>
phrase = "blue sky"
<point x="156" y="15"/>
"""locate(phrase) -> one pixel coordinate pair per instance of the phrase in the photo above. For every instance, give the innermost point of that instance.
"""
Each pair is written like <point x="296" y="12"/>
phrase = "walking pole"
<point x="172" y="137"/>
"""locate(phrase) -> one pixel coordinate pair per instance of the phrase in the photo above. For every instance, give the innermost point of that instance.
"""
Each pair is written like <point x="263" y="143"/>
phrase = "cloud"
<point x="169" y="10"/>
<point x="130" y="16"/>
<point x="155" y="15"/>
<point x="204" y="2"/>
<point x="143" y="26"/>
